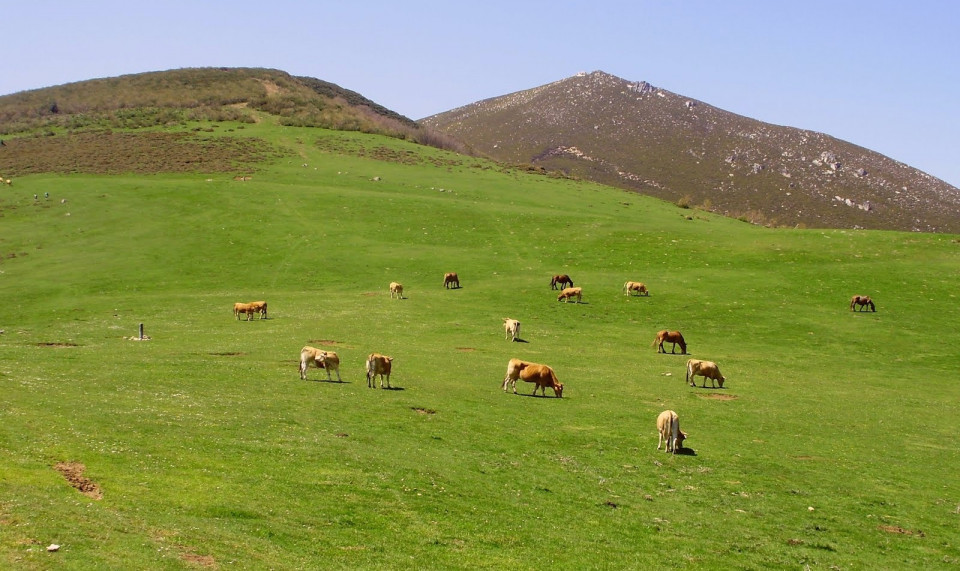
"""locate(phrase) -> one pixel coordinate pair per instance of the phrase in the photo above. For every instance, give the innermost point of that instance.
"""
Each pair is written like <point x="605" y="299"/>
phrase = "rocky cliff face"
<point x="637" y="136"/>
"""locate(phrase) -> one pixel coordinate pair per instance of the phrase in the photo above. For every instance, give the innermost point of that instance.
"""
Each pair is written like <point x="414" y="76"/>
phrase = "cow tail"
<point x="687" y="376"/>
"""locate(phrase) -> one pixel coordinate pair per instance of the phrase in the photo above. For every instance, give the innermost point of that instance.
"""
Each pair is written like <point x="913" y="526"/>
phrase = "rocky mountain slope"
<point x="643" y="138"/>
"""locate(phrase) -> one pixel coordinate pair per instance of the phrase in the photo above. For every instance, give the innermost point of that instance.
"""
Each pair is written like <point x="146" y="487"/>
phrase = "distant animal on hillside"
<point x="512" y="328"/>
<point x="705" y="369"/>
<point x="670" y="337"/>
<point x="247" y="308"/>
<point x="639" y="287"/>
<point x="260" y="307"/>
<point x="396" y="289"/>
<point x="668" y="425"/>
<point x="542" y="375"/>
<point x="378" y="364"/>
<point x="320" y="359"/>
<point x="861" y="302"/>
<point x="451" y="280"/>
<point x="570" y="292"/>
<point x="560" y="281"/>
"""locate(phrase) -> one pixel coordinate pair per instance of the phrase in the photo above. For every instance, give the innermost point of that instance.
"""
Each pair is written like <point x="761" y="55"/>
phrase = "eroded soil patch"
<point x="899" y="530"/>
<point x="718" y="396"/>
<point x="57" y="345"/>
<point x="73" y="474"/>
<point x="424" y="410"/>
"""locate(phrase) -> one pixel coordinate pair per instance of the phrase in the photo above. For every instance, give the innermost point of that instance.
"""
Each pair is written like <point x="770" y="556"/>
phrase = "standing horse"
<point x="561" y="281"/>
<point x="670" y="337"/>
<point x="861" y="302"/>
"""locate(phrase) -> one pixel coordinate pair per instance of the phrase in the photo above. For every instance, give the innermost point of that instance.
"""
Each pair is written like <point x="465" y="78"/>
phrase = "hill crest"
<point x="644" y="138"/>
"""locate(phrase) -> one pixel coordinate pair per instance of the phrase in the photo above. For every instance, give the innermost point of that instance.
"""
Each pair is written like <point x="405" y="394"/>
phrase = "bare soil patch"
<point x="899" y="530"/>
<point x="325" y="342"/>
<point x="57" y="345"/>
<point x="227" y="354"/>
<point x="73" y="473"/>
<point x="466" y="349"/>
<point x="424" y="410"/>
<point x="202" y="560"/>
<point x="718" y="396"/>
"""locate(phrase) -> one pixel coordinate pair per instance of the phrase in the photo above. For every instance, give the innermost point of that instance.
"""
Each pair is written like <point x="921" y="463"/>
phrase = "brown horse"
<point x="561" y="281"/>
<point x="670" y="337"/>
<point x="861" y="302"/>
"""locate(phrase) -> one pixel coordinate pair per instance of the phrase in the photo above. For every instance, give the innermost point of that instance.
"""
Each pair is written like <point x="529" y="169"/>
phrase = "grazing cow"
<point x="321" y="359"/>
<point x="862" y="302"/>
<point x="639" y="287"/>
<point x="670" y="337"/>
<point x="512" y="327"/>
<point x="396" y="288"/>
<point x="668" y="425"/>
<point x="378" y="364"/>
<point x="705" y="369"/>
<point x="561" y="281"/>
<point x="260" y="307"/>
<point x="542" y="375"/>
<point x="570" y="292"/>
<point x="247" y="308"/>
<point x="451" y="280"/>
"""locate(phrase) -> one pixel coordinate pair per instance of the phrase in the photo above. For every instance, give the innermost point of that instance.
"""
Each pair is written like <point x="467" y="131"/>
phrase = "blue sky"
<point x="881" y="74"/>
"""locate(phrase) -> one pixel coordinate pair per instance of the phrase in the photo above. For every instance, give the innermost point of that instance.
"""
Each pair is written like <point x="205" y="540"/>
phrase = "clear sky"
<point x="883" y="74"/>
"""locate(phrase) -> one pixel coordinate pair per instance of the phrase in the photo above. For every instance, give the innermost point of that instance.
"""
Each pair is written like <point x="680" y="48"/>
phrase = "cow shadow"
<point x="539" y="396"/>
<point x="389" y="388"/>
<point x="519" y="340"/>
<point x="684" y="451"/>
<point x="332" y="381"/>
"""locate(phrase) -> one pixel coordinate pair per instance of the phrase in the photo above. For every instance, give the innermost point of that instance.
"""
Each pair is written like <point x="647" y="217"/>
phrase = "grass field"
<point x="831" y="445"/>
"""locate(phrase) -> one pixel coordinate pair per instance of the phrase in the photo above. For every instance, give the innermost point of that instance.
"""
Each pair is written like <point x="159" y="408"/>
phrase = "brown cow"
<point x="260" y="307"/>
<point x="561" y="281"/>
<point x="321" y="359"/>
<point x="512" y="328"/>
<point x="396" y="288"/>
<point x="705" y="369"/>
<point x="378" y="364"/>
<point x="542" y="375"/>
<point x="670" y="337"/>
<point x="668" y="425"/>
<point x="570" y="292"/>
<point x="451" y="280"/>
<point x="639" y="287"/>
<point x="247" y="308"/>
<point x="862" y="302"/>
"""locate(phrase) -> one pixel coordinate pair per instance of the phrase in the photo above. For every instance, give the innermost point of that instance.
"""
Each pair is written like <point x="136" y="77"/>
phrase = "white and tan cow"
<point x="396" y="289"/>
<point x="529" y="372"/>
<point x="320" y="359"/>
<point x="570" y="292"/>
<point x="705" y="369"/>
<point x="668" y="425"/>
<point x="378" y="364"/>
<point x="639" y="287"/>
<point x="512" y="328"/>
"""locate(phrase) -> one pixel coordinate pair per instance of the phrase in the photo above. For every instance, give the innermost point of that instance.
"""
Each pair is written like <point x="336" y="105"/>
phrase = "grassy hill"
<point x="647" y="139"/>
<point x="831" y="446"/>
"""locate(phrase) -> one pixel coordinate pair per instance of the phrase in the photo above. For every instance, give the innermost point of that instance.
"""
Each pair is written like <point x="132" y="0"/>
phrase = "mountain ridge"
<point x="643" y="138"/>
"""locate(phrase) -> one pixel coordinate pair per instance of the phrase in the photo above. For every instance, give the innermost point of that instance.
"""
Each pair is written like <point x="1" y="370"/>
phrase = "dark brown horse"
<point x="561" y="281"/>
<point x="670" y="337"/>
<point x="862" y="302"/>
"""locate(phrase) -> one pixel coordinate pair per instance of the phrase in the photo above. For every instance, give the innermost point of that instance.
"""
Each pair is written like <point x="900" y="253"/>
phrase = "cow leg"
<point x="303" y="370"/>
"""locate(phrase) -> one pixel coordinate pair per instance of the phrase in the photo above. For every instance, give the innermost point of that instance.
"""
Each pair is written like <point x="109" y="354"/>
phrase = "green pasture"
<point x="833" y="444"/>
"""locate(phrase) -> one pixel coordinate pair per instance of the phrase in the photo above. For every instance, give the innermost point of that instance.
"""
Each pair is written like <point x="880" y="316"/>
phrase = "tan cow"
<point x="560" y="281"/>
<point x="670" y="337"/>
<point x="260" y="307"/>
<point x="247" y="308"/>
<point x="668" y="425"/>
<point x="542" y="375"/>
<point x="396" y="288"/>
<point x="451" y="280"/>
<point x="570" y="292"/>
<point x="639" y="287"/>
<point x="705" y="369"/>
<point x="512" y="328"/>
<point x="378" y="364"/>
<point x="321" y="359"/>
